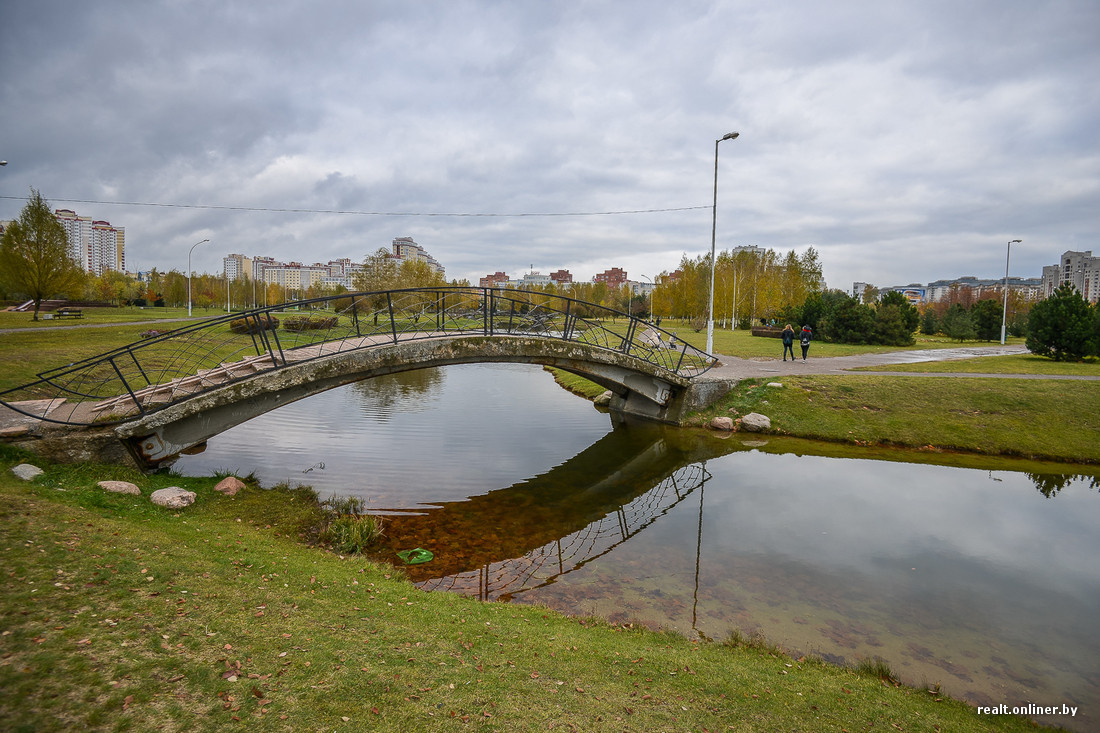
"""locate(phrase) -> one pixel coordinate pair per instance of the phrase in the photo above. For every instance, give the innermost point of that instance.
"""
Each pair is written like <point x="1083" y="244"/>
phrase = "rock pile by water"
<point x="172" y="497"/>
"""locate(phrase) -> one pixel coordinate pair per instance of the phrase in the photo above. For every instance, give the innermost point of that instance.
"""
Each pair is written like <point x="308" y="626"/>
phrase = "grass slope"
<point x="118" y="615"/>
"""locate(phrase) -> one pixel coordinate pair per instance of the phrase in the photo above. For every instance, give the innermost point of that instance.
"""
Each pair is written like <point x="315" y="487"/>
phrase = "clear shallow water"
<point x="985" y="582"/>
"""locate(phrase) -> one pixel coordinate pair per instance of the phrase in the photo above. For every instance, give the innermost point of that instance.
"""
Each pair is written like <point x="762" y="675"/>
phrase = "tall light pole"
<point x="196" y="244"/>
<point x="654" y="283"/>
<point x="1004" y="314"/>
<point x="713" y="230"/>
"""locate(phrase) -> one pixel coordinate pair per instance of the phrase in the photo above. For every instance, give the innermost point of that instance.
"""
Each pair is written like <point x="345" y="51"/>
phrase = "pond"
<point x="982" y="580"/>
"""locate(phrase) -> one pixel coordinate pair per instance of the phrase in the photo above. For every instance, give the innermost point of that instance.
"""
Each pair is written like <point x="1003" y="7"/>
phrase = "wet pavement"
<point x="732" y="367"/>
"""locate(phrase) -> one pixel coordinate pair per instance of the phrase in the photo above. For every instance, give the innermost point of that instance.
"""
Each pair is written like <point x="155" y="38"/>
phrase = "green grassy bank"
<point x="1043" y="419"/>
<point x="118" y="615"/>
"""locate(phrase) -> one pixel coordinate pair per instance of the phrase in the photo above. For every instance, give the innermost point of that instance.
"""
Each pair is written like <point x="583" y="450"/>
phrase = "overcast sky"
<point x="905" y="141"/>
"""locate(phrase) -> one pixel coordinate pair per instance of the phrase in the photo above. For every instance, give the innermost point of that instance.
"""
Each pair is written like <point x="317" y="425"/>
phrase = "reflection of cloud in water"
<point x="871" y="517"/>
<point x="407" y="392"/>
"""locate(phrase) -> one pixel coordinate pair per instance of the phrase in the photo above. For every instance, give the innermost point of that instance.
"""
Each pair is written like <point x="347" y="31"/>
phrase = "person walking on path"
<point x="788" y="342"/>
<point x="804" y="340"/>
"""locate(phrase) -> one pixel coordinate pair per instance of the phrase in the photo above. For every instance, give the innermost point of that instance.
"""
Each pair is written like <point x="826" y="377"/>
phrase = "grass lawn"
<point x="1044" y="418"/>
<point x="1012" y="364"/>
<point x="118" y="615"/>
<point x="128" y="314"/>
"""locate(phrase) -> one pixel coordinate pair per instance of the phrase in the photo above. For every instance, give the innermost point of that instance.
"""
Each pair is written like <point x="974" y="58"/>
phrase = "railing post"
<point x="492" y="312"/>
<point x="567" y="329"/>
<point x="681" y="360"/>
<point x="486" y="298"/>
<point x="440" y="300"/>
<point x="393" y="322"/>
<point x="355" y="315"/>
<point x="629" y="335"/>
<point x="278" y="345"/>
<point x="126" y="384"/>
<point x="138" y="365"/>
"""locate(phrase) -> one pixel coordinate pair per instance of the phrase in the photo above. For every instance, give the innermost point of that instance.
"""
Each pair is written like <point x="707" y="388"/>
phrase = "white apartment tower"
<point x="237" y="266"/>
<point x="95" y="245"/>
<point x="1079" y="269"/>
<point x="404" y="248"/>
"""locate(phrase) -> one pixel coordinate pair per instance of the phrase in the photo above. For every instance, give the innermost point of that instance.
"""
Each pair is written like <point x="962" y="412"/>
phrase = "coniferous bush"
<point x="1062" y="327"/>
<point x="958" y="324"/>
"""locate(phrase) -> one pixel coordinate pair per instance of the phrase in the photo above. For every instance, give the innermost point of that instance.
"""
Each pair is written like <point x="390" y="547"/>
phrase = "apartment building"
<point x="94" y="244"/>
<point x="404" y="248"/>
<point x="1079" y="269"/>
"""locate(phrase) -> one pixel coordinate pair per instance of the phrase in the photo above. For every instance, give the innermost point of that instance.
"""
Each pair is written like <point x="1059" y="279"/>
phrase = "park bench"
<point x="69" y="313"/>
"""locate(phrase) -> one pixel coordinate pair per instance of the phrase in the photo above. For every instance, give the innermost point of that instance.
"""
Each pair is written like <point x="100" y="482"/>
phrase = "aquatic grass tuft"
<point x="352" y="534"/>
<point x="878" y="668"/>
<point x="345" y="527"/>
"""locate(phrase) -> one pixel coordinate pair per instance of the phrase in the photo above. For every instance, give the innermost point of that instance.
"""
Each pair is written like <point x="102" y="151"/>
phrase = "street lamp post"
<point x="651" y="307"/>
<point x="1004" y="314"/>
<point x="713" y="230"/>
<point x="196" y="244"/>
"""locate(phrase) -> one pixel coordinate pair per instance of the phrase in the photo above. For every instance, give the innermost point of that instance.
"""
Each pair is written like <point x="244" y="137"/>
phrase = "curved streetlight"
<point x="654" y="283"/>
<point x="713" y="228"/>
<point x="1004" y="314"/>
<point x="196" y="244"/>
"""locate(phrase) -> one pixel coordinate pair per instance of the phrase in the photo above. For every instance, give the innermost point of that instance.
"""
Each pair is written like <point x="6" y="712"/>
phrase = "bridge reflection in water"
<point x="511" y="541"/>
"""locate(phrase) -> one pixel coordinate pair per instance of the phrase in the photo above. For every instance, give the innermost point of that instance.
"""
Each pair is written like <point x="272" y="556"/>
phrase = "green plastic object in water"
<point x="415" y="557"/>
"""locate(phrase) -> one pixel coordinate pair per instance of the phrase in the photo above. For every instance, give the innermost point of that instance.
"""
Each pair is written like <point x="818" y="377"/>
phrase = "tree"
<point x="957" y="323"/>
<point x="1061" y="327"/>
<point x="34" y="254"/>
<point x="910" y="317"/>
<point x="849" y="322"/>
<point x="987" y="316"/>
<point x="929" y="323"/>
<point x="895" y="320"/>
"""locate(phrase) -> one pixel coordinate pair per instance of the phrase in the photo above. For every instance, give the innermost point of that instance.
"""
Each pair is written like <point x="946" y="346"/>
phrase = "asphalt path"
<point x="731" y="367"/>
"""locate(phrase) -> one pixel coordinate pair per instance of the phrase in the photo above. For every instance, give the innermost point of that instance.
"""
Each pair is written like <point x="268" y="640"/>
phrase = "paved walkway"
<point x="733" y="368"/>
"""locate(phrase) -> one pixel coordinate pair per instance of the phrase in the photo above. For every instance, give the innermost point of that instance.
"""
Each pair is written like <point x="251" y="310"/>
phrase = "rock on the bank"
<point x="229" y="485"/>
<point x="27" y="472"/>
<point x="603" y="400"/>
<point x="754" y="422"/>
<point x="173" y="497"/>
<point x="120" y="487"/>
<point x="721" y="423"/>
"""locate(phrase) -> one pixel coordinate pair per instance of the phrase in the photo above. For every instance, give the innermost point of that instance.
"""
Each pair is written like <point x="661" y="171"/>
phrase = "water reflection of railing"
<point x="505" y="579"/>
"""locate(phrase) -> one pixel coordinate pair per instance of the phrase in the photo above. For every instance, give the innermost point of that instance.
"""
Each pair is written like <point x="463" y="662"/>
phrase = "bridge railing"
<point x="168" y="367"/>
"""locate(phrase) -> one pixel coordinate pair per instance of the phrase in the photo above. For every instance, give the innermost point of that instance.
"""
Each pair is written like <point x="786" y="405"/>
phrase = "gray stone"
<point x="120" y="487"/>
<point x="173" y="497"/>
<point x="27" y="472"/>
<point x="754" y="422"/>
<point x="229" y="485"/>
<point x="721" y="423"/>
<point x="775" y="384"/>
<point x="603" y="400"/>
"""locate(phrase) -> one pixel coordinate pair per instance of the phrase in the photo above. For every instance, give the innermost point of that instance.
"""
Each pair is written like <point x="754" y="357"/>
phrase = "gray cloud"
<point x="905" y="141"/>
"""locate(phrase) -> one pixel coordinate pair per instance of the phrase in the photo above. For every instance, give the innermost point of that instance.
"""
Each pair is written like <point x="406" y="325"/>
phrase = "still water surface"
<point x="982" y="581"/>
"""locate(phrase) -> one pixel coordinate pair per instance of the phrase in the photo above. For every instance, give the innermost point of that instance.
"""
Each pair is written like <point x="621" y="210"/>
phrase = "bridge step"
<point x="163" y="394"/>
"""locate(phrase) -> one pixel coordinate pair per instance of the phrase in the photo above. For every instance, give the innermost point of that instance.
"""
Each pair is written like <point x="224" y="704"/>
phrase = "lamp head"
<point x="730" y="135"/>
<point x="1016" y="241"/>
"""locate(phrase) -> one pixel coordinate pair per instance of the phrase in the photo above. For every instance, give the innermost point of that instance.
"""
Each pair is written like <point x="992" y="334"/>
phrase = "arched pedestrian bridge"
<point x="174" y="390"/>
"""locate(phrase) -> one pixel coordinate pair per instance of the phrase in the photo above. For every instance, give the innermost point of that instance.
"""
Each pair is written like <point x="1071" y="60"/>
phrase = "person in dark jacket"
<point x="804" y="340"/>
<point x="788" y="342"/>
